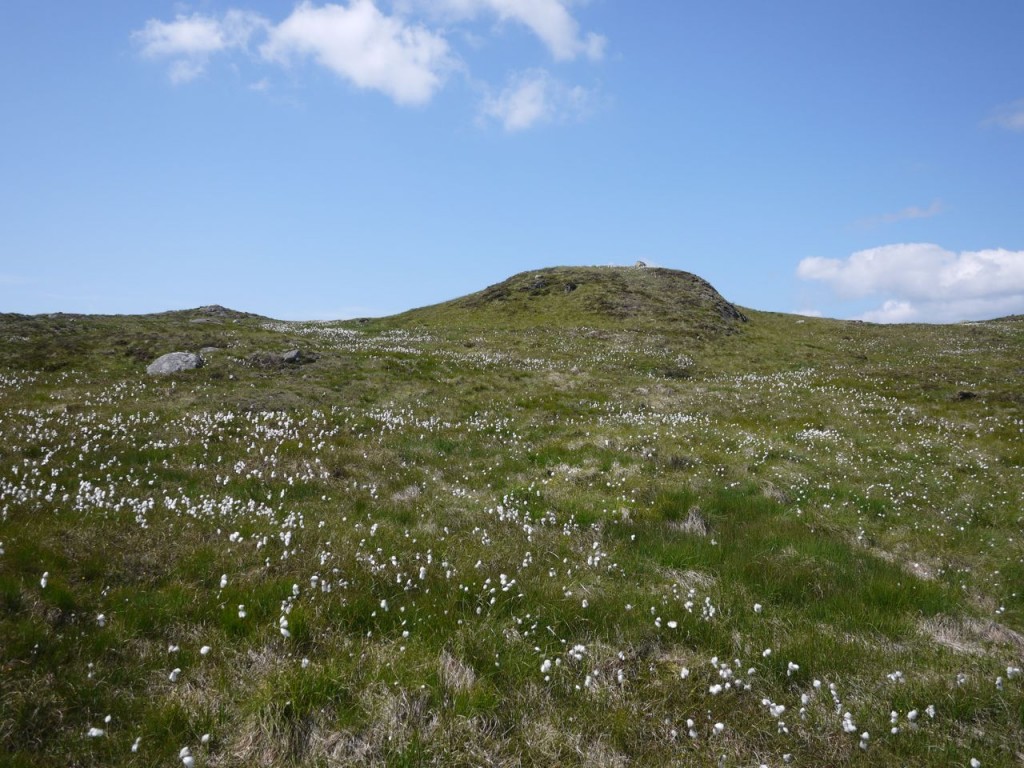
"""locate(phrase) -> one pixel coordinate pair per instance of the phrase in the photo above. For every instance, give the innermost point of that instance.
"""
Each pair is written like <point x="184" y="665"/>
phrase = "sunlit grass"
<point x="498" y="531"/>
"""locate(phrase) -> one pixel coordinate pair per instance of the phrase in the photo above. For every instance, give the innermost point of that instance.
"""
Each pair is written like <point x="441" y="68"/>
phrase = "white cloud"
<point x="185" y="70"/>
<point x="922" y="281"/>
<point x="549" y="20"/>
<point x="389" y="52"/>
<point x="1009" y="116"/>
<point x="191" y="40"/>
<point x="360" y="44"/>
<point x="809" y="312"/>
<point x="534" y="97"/>
<point x="911" y="212"/>
<point x="892" y="311"/>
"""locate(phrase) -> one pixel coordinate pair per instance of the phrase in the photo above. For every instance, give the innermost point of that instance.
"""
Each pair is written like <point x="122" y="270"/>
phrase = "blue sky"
<point x="325" y="160"/>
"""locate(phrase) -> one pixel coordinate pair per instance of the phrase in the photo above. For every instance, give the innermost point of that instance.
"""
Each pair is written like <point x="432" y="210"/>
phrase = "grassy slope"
<point x="504" y="478"/>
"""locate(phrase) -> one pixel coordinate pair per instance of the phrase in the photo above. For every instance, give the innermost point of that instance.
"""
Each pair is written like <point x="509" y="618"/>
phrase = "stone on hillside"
<point x="280" y="359"/>
<point x="299" y="357"/>
<point x="173" y="362"/>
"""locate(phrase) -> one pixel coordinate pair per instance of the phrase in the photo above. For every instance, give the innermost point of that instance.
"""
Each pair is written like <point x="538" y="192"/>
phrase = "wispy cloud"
<point x="924" y="282"/>
<point x="1008" y="116"/>
<point x="189" y="41"/>
<point x="534" y="97"/>
<point x="549" y="20"/>
<point x="909" y="213"/>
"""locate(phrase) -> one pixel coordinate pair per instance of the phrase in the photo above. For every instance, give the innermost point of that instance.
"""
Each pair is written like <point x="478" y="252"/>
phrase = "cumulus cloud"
<point x="922" y="281"/>
<point x="360" y="44"/>
<point x="549" y="20"/>
<point x="190" y="40"/>
<point x="390" y="52"/>
<point x="534" y="97"/>
<point x="1009" y="116"/>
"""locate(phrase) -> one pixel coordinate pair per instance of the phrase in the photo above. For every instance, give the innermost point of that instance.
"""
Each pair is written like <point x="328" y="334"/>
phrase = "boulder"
<point x="293" y="357"/>
<point x="173" y="362"/>
<point x="299" y="357"/>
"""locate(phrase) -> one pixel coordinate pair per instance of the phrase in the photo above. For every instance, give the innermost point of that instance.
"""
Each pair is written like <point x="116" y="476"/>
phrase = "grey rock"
<point x="299" y="357"/>
<point x="293" y="357"/>
<point x="173" y="362"/>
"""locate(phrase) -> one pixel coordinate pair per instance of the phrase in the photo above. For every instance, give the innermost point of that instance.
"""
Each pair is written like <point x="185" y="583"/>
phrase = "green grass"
<point x="449" y="498"/>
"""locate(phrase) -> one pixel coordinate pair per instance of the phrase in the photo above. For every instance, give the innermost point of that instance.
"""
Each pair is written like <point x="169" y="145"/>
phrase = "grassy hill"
<point x="606" y="297"/>
<point x="587" y="516"/>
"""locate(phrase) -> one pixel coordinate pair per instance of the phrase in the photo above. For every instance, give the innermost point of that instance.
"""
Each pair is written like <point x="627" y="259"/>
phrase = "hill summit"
<point x="639" y="297"/>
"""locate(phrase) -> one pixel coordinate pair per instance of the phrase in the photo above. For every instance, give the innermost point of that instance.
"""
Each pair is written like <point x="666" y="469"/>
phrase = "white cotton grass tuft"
<point x="175" y="674"/>
<point x="223" y="580"/>
<point x="136" y="743"/>
<point x="95" y="733"/>
<point x="45" y="578"/>
<point x="758" y="607"/>
<point x="205" y="650"/>
<point x="848" y="725"/>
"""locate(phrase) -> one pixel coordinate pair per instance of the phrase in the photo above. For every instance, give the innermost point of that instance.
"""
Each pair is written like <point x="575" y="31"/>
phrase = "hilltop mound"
<point x="627" y="297"/>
